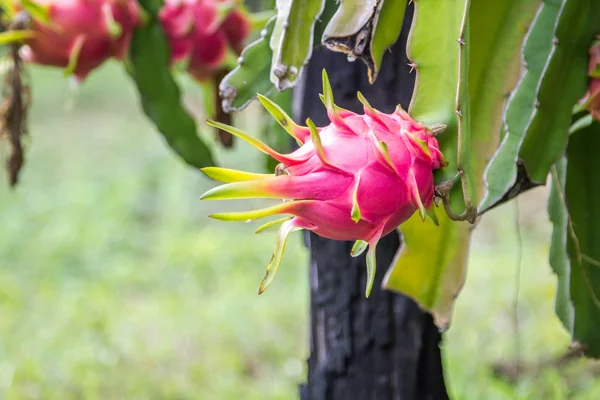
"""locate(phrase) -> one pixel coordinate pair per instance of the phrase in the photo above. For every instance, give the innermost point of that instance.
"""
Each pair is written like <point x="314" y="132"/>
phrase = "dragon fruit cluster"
<point x="79" y="35"/>
<point x="358" y="178"/>
<point x="202" y="32"/>
<point x="591" y="100"/>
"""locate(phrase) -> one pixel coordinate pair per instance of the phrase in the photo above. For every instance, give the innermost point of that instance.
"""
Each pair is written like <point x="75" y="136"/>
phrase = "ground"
<point x="114" y="284"/>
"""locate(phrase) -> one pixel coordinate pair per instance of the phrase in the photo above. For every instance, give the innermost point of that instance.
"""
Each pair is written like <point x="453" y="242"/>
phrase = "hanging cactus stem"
<point x="470" y="213"/>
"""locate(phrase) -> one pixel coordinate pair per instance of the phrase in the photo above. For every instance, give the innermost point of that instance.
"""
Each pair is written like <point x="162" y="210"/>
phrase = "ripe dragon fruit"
<point x="80" y="35"/>
<point x="591" y="100"/>
<point x="201" y="32"/>
<point x="358" y="178"/>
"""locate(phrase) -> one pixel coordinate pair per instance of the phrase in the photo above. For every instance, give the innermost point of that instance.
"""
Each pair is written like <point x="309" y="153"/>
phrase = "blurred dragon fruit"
<point x="79" y="35"/>
<point x="591" y="100"/>
<point x="358" y="178"/>
<point x="201" y="32"/>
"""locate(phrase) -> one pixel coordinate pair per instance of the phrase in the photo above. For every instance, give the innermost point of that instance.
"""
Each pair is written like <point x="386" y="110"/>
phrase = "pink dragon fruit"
<point x="358" y="178"/>
<point x="591" y="100"/>
<point x="201" y="32"/>
<point x="79" y="35"/>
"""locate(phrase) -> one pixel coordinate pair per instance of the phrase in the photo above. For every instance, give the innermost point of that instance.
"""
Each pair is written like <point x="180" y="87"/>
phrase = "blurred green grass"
<point x="115" y="285"/>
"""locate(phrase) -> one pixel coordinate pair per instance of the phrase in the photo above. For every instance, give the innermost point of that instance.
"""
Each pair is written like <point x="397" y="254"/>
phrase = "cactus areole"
<point x="79" y="35"/>
<point x="358" y="178"/>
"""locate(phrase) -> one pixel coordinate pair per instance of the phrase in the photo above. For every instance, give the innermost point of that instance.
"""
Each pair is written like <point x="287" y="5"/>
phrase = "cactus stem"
<point x="470" y="213"/>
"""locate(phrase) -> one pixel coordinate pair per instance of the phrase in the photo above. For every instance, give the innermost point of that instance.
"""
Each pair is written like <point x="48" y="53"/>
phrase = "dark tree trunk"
<point x="383" y="347"/>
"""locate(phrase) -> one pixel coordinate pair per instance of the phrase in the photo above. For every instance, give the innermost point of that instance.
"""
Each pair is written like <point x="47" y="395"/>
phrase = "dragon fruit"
<point x="201" y="32"/>
<point x="80" y="35"/>
<point x="358" y="178"/>
<point x="591" y="100"/>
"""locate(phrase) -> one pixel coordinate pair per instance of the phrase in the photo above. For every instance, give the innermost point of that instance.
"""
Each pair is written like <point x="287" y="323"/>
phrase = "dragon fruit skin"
<point x="358" y="178"/>
<point x="82" y="34"/>
<point x="591" y="100"/>
<point x="198" y="33"/>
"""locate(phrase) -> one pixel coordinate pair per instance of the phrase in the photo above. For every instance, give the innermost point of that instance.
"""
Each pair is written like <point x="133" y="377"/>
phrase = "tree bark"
<point x="383" y="347"/>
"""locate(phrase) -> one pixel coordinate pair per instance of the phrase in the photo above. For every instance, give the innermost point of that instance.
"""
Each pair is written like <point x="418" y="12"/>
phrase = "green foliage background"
<point x="115" y="285"/>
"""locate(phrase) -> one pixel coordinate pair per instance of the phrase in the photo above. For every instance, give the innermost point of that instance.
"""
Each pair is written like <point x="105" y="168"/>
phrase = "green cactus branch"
<point x="493" y="34"/>
<point x="251" y="76"/>
<point x="385" y="32"/>
<point x="439" y="57"/>
<point x="364" y="30"/>
<point x="536" y="119"/>
<point x="574" y="253"/>
<point x="565" y="73"/>
<point x="350" y="27"/>
<point x="159" y="94"/>
<point x="558" y="255"/>
<point x="463" y="129"/>
<point x="500" y="85"/>
<point x="501" y="173"/>
<point x="292" y="39"/>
